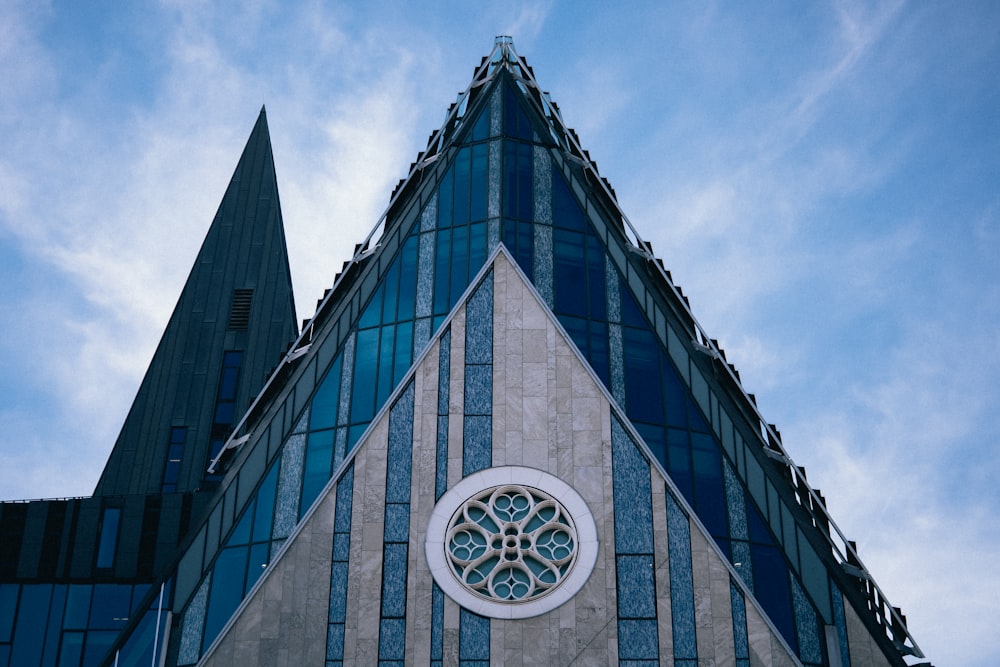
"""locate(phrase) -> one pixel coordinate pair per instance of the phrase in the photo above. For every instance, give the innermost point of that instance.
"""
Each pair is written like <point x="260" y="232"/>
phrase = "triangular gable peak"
<point x="504" y="169"/>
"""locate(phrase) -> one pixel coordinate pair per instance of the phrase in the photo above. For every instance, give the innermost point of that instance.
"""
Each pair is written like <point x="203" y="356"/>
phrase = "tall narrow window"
<point x="225" y="407"/>
<point x="108" y="541"/>
<point x="175" y="453"/>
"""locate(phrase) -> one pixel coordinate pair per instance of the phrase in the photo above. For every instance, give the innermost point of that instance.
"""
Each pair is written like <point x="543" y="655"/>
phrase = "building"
<point x="502" y="438"/>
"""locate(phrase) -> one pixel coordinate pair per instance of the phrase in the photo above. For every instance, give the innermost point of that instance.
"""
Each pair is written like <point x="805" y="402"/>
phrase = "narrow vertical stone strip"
<point x="344" y="409"/>
<point x="542" y="209"/>
<point x="477" y="441"/>
<point x="477" y="431"/>
<point x="425" y="276"/>
<point x="806" y="625"/>
<point x="339" y="569"/>
<point x="437" y="626"/>
<point x="681" y="584"/>
<point x="841" y="622"/>
<point x="444" y="395"/>
<point x="616" y="349"/>
<point x="473" y="640"/>
<point x="638" y="635"/>
<point x="293" y="456"/>
<point x="399" y="464"/>
<point x="736" y="507"/>
<point x="496" y="112"/>
<point x="194" y="625"/>
<point x="740" y="639"/>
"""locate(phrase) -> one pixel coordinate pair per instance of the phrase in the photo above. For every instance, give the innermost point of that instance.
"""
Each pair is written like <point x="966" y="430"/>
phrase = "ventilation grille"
<point x="239" y="314"/>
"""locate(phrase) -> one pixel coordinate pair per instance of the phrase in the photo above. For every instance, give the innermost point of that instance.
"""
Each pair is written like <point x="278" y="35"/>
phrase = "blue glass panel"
<point x="224" y="413"/>
<point x="140" y="646"/>
<point x="323" y="413"/>
<point x="403" y="355"/>
<point x="679" y="458"/>
<point x="97" y="646"/>
<point x="600" y="353"/>
<point x="386" y="347"/>
<point x="110" y="606"/>
<point x="481" y="130"/>
<point x="576" y="327"/>
<point x="365" y="359"/>
<point x="354" y="434"/>
<point x="77" y="607"/>
<point x="516" y="123"/>
<point x="372" y="314"/>
<point x="771" y="588"/>
<point x="642" y="376"/>
<point x="565" y="208"/>
<point x="570" y="273"/>
<point x="441" y="272"/>
<point x="460" y="215"/>
<point x="29" y="633"/>
<point x="653" y="436"/>
<point x="390" y="296"/>
<point x="228" y="577"/>
<point x="759" y="530"/>
<point x="259" y="558"/>
<point x="596" y="283"/>
<point x="109" y="537"/>
<point x="459" y="263"/>
<point x="241" y="533"/>
<point x="479" y="184"/>
<point x="674" y="394"/>
<point x="71" y="650"/>
<point x="408" y="278"/>
<point x="710" y="496"/>
<point x="56" y="608"/>
<point x="8" y="604"/>
<point x="445" y="198"/>
<point x="319" y="458"/>
<point x="631" y="314"/>
<point x="477" y="247"/>
<point x="696" y="419"/>
<point x="227" y="383"/>
<point x="265" y="505"/>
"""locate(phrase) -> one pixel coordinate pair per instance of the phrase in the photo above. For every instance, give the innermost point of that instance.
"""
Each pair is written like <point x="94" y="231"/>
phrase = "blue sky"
<point x="820" y="178"/>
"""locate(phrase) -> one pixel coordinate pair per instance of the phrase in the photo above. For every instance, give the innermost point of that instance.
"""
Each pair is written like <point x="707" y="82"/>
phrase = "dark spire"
<point x="232" y="322"/>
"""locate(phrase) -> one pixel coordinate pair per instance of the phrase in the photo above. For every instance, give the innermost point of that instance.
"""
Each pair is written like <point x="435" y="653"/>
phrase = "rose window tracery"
<point x="511" y="543"/>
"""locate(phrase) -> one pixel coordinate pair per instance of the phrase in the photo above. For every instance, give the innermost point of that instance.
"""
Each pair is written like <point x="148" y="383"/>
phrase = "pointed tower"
<point x="233" y="321"/>
<point x="503" y="438"/>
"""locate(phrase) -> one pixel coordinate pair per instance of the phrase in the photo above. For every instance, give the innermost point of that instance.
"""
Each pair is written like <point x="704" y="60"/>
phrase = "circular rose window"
<point x="511" y="542"/>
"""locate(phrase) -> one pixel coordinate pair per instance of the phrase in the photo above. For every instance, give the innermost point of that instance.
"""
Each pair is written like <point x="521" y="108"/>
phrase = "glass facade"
<point x="501" y="174"/>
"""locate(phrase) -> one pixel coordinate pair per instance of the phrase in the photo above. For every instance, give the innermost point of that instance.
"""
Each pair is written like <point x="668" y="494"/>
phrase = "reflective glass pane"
<point x="265" y="505"/>
<point x="228" y="577"/>
<point x="108" y="541"/>
<point x="110" y="606"/>
<point x="77" y="607"/>
<point x="327" y="399"/>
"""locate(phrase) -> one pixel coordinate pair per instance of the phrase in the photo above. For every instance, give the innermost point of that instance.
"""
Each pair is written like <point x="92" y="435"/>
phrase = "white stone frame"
<point x="476" y="483"/>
